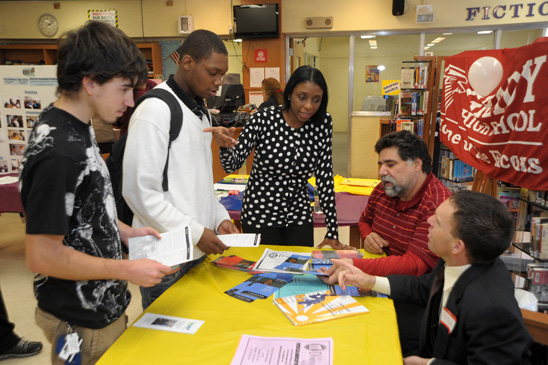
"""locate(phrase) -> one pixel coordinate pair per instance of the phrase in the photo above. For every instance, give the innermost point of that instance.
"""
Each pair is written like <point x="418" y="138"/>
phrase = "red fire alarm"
<point x="261" y="56"/>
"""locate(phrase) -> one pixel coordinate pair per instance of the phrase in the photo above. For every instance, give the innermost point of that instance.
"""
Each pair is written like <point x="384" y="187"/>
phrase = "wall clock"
<point x="48" y="25"/>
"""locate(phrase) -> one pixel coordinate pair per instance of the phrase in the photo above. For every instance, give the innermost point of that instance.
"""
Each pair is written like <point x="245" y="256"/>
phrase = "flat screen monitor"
<point x="256" y="21"/>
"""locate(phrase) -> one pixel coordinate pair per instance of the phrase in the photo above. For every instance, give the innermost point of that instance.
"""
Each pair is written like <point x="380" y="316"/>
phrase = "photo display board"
<point x="24" y="92"/>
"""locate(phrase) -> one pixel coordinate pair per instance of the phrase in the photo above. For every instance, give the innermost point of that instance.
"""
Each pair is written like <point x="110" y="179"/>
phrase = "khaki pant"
<point x="95" y="341"/>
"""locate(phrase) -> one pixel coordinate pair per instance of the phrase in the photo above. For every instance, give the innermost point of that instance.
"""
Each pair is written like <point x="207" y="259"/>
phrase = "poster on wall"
<point x="24" y="92"/>
<point x="494" y="113"/>
<point x="371" y="73"/>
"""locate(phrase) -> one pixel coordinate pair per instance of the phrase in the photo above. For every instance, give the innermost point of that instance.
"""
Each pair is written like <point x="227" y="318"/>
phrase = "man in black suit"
<point x="471" y="312"/>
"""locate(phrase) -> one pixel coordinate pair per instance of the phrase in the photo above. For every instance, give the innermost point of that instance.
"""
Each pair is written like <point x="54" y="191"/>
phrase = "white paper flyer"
<point x="174" y="247"/>
<point x="255" y="350"/>
<point x="168" y="323"/>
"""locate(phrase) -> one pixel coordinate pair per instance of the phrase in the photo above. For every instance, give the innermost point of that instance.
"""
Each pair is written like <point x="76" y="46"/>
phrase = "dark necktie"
<point x="433" y="311"/>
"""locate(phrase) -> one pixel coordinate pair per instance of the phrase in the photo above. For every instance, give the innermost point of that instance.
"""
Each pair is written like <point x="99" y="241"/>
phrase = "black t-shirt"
<point x="66" y="190"/>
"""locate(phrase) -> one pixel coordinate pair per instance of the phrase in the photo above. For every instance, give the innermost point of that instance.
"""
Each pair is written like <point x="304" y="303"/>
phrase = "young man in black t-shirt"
<point x="73" y="234"/>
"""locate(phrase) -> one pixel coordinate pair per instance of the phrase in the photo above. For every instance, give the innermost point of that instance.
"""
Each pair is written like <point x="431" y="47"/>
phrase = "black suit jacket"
<point x="489" y="328"/>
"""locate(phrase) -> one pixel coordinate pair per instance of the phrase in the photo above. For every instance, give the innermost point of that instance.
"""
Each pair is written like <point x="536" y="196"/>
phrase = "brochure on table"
<point x="315" y="307"/>
<point x="302" y="284"/>
<point x="259" y="286"/>
<point x="283" y="261"/>
<point x="25" y="92"/>
<point x="168" y="323"/>
<point x="256" y="350"/>
<point x="234" y="262"/>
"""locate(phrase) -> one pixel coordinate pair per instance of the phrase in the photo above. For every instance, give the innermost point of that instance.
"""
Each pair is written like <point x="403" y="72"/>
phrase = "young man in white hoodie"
<point x="190" y="200"/>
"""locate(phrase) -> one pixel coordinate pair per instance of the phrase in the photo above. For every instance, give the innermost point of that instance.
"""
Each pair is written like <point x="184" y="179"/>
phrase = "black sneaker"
<point x="23" y="349"/>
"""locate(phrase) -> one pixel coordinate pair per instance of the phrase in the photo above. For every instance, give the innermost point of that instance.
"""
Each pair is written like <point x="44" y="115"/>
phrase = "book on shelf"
<point x="408" y="126"/>
<point x="414" y="77"/>
<point x="522" y="210"/>
<point x="423" y="103"/>
<point x="462" y="172"/>
<point x="400" y="123"/>
<point x="536" y="223"/>
<point x="419" y="127"/>
<point x="316" y="307"/>
<point x="405" y="101"/>
<point x="543" y="241"/>
<point x="537" y="281"/>
<point x="421" y="77"/>
<point x="444" y="168"/>
<point x="407" y="77"/>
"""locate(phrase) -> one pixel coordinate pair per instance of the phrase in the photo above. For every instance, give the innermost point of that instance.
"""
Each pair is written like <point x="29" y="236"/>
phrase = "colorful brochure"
<point x="259" y="286"/>
<point x="302" y="284"/>
<point x="316" y="307"/>
<point x="234" y="262"/>
<point x="282" y="261"/>
<point x="336" y="254"/>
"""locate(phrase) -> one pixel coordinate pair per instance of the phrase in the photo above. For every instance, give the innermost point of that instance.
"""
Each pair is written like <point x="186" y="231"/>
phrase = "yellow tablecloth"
<point x="370" y="338"/>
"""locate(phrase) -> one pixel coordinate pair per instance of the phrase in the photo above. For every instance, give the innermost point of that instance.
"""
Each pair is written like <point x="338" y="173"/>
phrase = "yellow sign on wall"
<point x="391" y="87"/>
<point x="109" y="16"/>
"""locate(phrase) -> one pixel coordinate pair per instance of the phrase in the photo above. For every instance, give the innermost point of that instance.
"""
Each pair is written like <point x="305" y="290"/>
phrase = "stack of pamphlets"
<point x="318" y="307"/>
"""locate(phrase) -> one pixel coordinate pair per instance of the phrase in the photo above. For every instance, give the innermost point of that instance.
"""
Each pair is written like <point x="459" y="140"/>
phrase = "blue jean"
<point x="150" y="294"/>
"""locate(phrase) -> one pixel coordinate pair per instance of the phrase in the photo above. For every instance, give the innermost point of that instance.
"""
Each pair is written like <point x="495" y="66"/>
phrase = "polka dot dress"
<point x="285" y="158"/>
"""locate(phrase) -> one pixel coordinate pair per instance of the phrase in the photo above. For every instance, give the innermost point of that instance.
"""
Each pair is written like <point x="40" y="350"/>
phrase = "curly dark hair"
<point x="410" y="147"/>
<point x="99" y="51"/>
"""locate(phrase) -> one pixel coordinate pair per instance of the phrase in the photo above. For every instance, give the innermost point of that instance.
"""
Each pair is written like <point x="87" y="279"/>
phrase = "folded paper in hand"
<point x="174" y="247"/>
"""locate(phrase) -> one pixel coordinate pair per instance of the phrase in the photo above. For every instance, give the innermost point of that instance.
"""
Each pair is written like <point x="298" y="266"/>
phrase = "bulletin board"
<point x="24" y="92"/>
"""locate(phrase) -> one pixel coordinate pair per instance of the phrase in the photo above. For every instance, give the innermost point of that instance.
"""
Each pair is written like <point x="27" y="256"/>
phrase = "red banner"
<point x="494" y="112"/>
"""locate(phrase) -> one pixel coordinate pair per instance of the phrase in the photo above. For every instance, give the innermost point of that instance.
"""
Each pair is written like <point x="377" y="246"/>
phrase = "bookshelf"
<point x="536" y="322"/>
<point x="415" y="108"/>
<point x="46" y="54"/>
<point x="453" y="173"/>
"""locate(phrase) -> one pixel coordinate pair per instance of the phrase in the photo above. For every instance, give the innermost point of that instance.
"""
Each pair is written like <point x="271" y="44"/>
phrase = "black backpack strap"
<point x="176" y="121"/>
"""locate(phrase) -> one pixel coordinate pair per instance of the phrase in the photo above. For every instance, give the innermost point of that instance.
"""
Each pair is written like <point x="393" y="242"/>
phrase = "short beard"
<point x="392" y="191"/>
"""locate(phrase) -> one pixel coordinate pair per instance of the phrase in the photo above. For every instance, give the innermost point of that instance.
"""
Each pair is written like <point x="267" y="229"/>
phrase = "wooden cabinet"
<point x="153" y="55"/>
<point x="46" y="54"/>
<point x="38" y="54"/>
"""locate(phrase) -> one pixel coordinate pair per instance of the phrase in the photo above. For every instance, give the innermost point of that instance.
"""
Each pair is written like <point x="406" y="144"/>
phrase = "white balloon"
<point x="485" y="75"/>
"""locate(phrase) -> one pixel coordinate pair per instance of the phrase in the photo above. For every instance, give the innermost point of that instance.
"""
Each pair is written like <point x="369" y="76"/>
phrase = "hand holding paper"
<point x="174" y="247"/>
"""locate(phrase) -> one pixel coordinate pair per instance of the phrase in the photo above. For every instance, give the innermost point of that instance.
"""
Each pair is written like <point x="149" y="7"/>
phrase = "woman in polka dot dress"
<point x="291" y="143"/>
